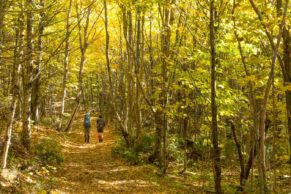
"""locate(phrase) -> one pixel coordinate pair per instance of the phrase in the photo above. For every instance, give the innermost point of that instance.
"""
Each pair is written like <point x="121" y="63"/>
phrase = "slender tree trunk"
<point x="36" y="84"/>
<point x="239" y="152"/>
<point x="287" y="68"/>
<point x="127" y="32"/>
<point x="111" y="94"/>
<point x="66" y="65"/>
<point x="3" y="8"/>
<point x="69" y="125"/>
<point x="107" y="53"/>
<point x="168" y="18"/>
<point x="83" y="48"/>
<point x="275" y="129"/>
<point x="130" y="94"/>
<point x="21" y="59"/>
<point x="26" y="131"/>
<point x="263" y="109"/>
<point x="137" y="68"/>
<point x="3" y="4"/>
<point x="126" y="55"/>
<point x="15" y="92"/>
<point x="253" y="134"/>
<point x="9" y="132"/>
<point x="216" y="151"/>
<point x="84" y="43"/>
<point x="185" y="136"/>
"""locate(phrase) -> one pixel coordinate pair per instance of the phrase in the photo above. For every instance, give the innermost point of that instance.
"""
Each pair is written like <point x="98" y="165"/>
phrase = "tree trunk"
<point x="107" y="54"/>
<point x="129" y="76"/>
<point x="83" y="40"/>
<point x="167" y="22"/>
<point x="216" y="152"/>
<point x="91" y="92"/>
<point x="137" y="69"/>
<point x="27" y="82"/>
<point x="263" y="109"/>
<point x="36" y="84"/>
<point x="3" y="4"/>
<point x="69" y="125"/>
<point x="15" y="90"/>
<point x="128" y="110"/>
<point x="21" y="58"/>
<point x="185" y="137"/>
<point x="287" y="66"/>
<point x="253" y="142"/>
<point x="239" y="152"/>
<point x="66" y="66"/>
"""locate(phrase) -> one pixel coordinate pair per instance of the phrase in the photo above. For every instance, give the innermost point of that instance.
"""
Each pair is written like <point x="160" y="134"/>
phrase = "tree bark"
<point x="36" y="83"/>
<point x="66" y="66"/>
<point x="253" y="142"/>
<point x="167" y="21"/>
<point x="121" y="124"/>
<point x="130" y="94"/>
<point x="216" y="151"/>
<point x="15" y="89"/>
<point x="239" y="152"/>
<point x="3" y="4"/>
<point x="107" y="52"/>
<point x="137" y="68"/>
<point x="26" y="131"/>
<point x="84" y="43"/>
<point x="263" y="108"/>
<point x="3" y="8"/>
<point x="287" y="68"/>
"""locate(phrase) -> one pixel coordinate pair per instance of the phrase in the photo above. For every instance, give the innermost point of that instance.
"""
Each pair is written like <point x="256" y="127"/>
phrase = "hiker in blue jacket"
<point x="87" y="126"/>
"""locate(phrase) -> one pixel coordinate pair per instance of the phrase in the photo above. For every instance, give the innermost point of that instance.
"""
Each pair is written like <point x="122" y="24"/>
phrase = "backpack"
<point x="87" y="122"/>
<point x="100" y="123"/>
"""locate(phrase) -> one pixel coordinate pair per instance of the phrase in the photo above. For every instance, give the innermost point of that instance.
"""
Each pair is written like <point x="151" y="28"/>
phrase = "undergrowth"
<point x="136" y="154"/>
<point x="49" y="152"/>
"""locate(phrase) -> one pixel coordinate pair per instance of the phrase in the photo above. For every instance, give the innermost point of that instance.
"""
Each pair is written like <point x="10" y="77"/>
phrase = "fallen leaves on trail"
<point x="90" y="168"/>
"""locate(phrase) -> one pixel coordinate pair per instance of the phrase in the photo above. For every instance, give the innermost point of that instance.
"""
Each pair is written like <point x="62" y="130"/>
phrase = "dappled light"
<point x="91" y="168"/>
<point x="145" y="96"/>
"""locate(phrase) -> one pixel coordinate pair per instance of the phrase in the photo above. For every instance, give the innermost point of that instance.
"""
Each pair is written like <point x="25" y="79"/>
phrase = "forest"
<point x="195" y="95"/>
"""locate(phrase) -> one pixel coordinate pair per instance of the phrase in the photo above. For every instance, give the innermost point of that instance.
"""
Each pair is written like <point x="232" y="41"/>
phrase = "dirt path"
<point x="90" y="168"/>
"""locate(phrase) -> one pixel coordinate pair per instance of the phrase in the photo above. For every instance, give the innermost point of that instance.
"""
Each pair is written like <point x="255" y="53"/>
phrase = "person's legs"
<point x="87" y="135"/>
<point x="100" y="136"/>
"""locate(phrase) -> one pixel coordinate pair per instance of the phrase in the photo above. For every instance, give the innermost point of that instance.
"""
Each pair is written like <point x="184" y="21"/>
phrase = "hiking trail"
<point x="91" y="168"/>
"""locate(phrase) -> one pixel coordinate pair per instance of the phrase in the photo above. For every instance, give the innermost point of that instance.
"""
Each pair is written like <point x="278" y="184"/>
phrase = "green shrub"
<point x="49" y="152"/>
<point x="173" y="149"/>
<point x="137" y="153"/>
<point x="145" y="144"/>
<point x="49" y="120"/>
<point x="126" y="153"/>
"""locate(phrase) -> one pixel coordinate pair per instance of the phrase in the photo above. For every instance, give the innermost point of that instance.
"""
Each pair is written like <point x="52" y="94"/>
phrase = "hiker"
<point x="100" y="128"/>
<point x="87" y="126"/>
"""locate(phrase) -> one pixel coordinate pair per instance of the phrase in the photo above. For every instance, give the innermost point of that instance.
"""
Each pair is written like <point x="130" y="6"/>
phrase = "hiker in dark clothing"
<point x="87" y="126"/>
<point x="100" y="128"/>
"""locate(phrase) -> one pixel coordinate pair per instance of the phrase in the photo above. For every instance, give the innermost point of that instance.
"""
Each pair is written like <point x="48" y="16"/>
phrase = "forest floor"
<point x="91" y="167"/>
